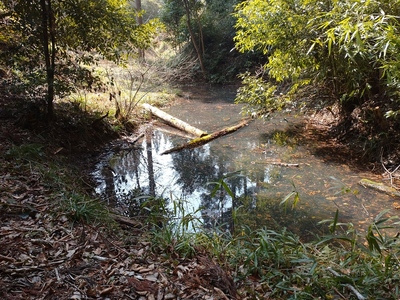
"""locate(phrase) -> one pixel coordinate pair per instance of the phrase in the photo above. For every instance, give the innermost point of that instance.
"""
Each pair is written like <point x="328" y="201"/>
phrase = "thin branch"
<point x="349" y="286"/>
<point x="390" y="173"/>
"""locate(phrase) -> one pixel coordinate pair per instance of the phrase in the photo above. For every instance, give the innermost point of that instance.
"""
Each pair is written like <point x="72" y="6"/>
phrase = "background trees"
<point x="347" y="49"/>
<point x="205" y="28"/>
<point x="48" y="42"/>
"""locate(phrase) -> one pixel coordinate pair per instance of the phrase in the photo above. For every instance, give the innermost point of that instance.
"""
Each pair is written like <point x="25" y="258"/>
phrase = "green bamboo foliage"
<point x="350" y="47"/>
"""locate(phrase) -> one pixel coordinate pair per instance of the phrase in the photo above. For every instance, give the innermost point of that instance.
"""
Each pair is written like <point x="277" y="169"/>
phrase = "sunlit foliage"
<point x="349" y="46"/>
<point x="48" y="41"/>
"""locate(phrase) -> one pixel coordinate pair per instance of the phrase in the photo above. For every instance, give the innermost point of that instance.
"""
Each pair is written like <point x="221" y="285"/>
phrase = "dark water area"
<point x="263" y="164"/>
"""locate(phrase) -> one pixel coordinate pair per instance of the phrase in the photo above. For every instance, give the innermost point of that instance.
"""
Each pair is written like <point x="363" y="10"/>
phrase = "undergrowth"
<point x="265" y="263"/>
<point x="272" y="264"/>
<point x="67" y="193"/>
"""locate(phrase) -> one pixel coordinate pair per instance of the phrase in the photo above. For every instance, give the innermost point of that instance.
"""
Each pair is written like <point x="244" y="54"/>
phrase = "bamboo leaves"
<point x="351" y="46"/>
<point x="294" y="194"/>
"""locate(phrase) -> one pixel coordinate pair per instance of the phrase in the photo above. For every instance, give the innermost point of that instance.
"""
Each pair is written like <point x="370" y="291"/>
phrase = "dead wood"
<point x="279" y="163"/>
<point x="173" y="121"/>
<point x="35" y="267"/>
<point x="125" y="220"/>
<point x="197" y="142"/>
<point x="133" y="140"/>
<point x="391" y="191"/>
<point x="349" y="286"/>
<point x="171" y="130"/>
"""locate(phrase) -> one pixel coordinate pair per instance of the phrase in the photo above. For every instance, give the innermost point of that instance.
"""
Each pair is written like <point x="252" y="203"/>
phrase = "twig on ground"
<point x="339" y="293"/>
<point x="31" y="268"/>
<point x="390" y="173"/>
<point x="349" y="286"/>
<point x="7" y="258"/>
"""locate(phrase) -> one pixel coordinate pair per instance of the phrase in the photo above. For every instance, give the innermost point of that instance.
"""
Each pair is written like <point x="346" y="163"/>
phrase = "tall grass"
<point x="277" y="264"/>
<point x="174" y="231"/>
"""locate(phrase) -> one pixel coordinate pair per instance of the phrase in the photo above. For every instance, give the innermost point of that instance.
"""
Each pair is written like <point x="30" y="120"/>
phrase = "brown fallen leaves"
<point x="202" y="273"/>
<point x="44" y="256"/>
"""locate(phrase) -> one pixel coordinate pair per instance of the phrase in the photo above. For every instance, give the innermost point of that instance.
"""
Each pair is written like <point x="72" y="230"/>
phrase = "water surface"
<point x="262" y="163"/>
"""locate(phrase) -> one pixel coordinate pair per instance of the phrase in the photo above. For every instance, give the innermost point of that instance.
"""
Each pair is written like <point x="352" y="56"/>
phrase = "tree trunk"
<point x="173" y="121"/>
<point x="48" y="40"/>
<point x="150" y="164"/>
<point x="193" y="38"/>
<point x="197" y="142"/>
<point x="138" y="6"/>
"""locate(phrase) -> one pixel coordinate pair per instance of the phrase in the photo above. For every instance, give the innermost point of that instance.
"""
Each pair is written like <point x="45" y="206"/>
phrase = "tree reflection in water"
<point x="186" y="175"/>
<point x="125" y="176"/>
<point x="189" y="176"/>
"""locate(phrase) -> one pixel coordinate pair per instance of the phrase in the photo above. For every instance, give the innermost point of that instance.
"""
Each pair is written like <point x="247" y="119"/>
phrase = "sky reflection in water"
<point x="251" y="153"/>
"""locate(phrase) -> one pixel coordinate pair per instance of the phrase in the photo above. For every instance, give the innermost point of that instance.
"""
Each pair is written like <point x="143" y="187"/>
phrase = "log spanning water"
<point x="202" y="136"/>
<point x="197" y="142"/>
<point x="174" y="121"/>
<point x="380" y="187"/>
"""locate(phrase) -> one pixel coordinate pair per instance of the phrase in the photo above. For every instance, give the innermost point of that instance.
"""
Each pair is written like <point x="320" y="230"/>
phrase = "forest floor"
<point x="49" y="251"/>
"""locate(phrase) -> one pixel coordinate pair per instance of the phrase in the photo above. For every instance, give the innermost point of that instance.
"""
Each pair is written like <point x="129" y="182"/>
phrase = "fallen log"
<point x="278" y="163"/>
<point x="379" y="187"/>
<point x="174" y="131"/>
<point x="173" y="121"/>
<point x="197" y="142"/>
<point x="125" y="220"/>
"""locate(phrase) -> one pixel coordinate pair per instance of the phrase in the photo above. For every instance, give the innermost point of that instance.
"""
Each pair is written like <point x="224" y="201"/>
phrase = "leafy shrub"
<point x="349" y="46"/>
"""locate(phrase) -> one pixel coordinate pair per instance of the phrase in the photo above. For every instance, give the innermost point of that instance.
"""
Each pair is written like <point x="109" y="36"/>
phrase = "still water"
<point x="262" y="164"/>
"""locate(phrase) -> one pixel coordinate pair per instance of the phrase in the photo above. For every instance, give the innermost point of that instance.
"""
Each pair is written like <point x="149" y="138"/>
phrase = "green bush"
<point x="350" y="47"/>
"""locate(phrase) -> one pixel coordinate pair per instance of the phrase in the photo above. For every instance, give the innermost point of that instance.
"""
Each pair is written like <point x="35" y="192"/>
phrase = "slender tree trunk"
<point x="193" y="38"/>
<point x="49" y="51"/>
<point x="150" y="166"/>
<point x="138" y="5"/>
<point x="201" y="38"/>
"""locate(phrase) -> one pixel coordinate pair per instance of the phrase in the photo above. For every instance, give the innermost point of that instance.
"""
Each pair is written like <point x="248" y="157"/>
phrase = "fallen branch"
<point x="7" y="258"/>
<point x="379" y="187"/>
<point x="278" y="163"/>
<point x="283" y="164"/>
<point x="171" y="130"/>
<point x="349" y="286"/>
<point x="36" y="267"/>
<point x="390" y="173"/>
<point x="132" y="140"/>
<point x="197" y="142"/>
<point x="102" y="258"/>
<point x="173" y="121"/>
<point x="125" y="220"/>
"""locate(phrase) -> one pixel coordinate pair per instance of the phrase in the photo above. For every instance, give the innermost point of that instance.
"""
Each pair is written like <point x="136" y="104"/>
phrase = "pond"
<point x="262" y="164"/>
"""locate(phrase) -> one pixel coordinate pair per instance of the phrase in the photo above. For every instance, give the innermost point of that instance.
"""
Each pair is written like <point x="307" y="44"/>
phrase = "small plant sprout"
<point x="294" y="194"/>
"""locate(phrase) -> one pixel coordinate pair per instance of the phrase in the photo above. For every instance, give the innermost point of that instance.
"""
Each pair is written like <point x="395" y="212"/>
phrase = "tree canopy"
<point x="47" y="41"/>
<point x="348" y="48"/>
